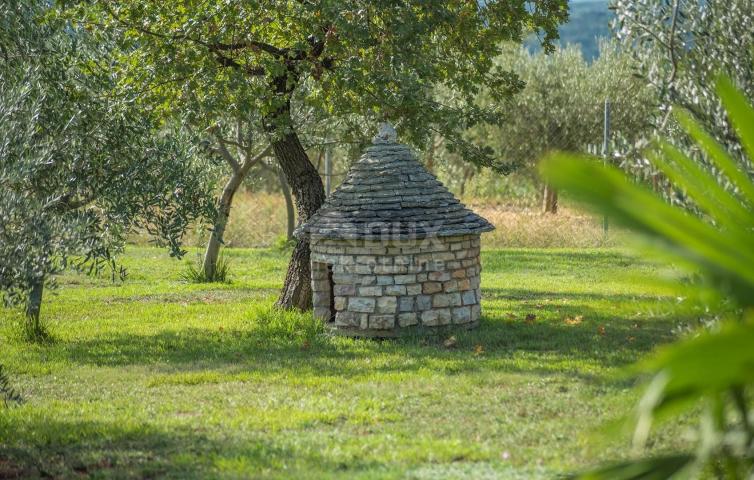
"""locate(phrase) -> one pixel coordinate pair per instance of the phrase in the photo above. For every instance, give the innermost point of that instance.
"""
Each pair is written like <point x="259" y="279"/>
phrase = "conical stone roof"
<point x="388" y="194"/>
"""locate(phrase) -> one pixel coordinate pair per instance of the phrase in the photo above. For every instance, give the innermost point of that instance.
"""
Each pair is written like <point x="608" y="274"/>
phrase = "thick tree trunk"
<point x="290" y="214"/>
<point x="33" y="309"/>
<point x="309" y="193"/>
<point x="550" y="200"/>
<point x="212" y="252"/>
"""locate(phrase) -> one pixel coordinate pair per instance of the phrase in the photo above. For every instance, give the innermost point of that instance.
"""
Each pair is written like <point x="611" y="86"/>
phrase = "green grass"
<point x="156" y="377"/>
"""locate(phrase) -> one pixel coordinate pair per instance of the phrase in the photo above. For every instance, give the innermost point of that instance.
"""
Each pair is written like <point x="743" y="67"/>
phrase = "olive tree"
<point x="561" y="106"/>
<point x="81" y="165"/>
<point x="374" y="59"/>
<point x="680" y="46"/>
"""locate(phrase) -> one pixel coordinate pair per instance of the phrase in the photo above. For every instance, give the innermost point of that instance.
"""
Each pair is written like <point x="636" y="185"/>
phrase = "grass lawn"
<point x="155" y="377"/>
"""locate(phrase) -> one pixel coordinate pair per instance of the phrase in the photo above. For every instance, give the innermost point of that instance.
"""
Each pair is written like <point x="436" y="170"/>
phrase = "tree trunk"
<point x="212" y="252"/>
<point x="309" y="193"/>
<point x="431" y="155"/>
<point x="34" y="328"/>
<point x="550" y="200"/>
<point x="290" y="214"/>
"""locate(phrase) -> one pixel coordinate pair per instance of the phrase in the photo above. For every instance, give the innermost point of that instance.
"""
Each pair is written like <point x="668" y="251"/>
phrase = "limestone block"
<point x="372" y="291"/>
<point x="345" y="278"/>
<point x="413" y="289"/>
<point x="476" y="312"/>
<point x="321" y="299"/>
<point x="416" y="267"/>
<point x="435" y="266"/>
<point x="460" y="273"/>
<point x="456" y="246"/>
<point x="366" y="260"/>
<point x="360" y="269"/>
<point x="421" y="277"/>
<point x="340" y="303"/>
<point x="384" y="260"/>
<point x="423" y="302"/>
<point x="468" y="297"/>
<point x="407" y="319"/>
<point x="372" y="250"/>
<point x="390" y="269"/>
<point x="461" y="314"/>
<point x="331" y="259"/>
<point x="464" y="284"/>
<point x="319" y="273"/>
<point x="320" y="285"/>
<point x="406" y="304"/>
<point x="322" y="313"/>
<point x="450" y="286"/>
<point x="367" y="279"/>
<point x="443" y="256"/>
<point x="361" y="304"/>
<point x="423" y="258"/>
<point x="384" y="279"/>
<point x="435" y="317"/>
<point x="350" y="319"/>
<point x="344" y="290"/>
<point x="339" y="269"/>
<point x="381" y="322"/>
<point x="387" y="304"/>
<point x="455" y="264"/>
<point x="440" y="300"/>
<point x="431" y="287"/>
<point x="402" y="260"/>
<point x="438" y="276"/>
<point x="395" y="290"/>
<point x="346" y="260"/>
<point x="404" y="279"/>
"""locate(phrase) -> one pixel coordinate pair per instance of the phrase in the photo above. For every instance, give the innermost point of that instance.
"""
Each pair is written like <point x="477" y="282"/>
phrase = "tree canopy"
<point x="81" y="165"/>
<point x="376" y="59"/>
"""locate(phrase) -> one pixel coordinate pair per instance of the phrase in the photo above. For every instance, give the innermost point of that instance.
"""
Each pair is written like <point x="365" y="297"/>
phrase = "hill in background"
<point x="589" y="21"/>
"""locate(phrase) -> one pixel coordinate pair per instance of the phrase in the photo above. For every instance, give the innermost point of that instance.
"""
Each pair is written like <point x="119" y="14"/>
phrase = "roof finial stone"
<point x="385" y="134"/>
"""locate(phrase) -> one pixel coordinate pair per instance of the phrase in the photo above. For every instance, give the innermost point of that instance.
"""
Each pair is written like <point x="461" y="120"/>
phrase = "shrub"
<point x="711" y="372"/>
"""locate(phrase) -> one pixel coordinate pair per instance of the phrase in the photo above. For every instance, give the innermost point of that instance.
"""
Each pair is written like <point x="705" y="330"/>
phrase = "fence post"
<point x="605" y="147"/>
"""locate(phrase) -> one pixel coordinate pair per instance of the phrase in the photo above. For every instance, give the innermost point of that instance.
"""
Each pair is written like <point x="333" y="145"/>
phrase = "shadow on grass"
<point x="604" y="336"/>
<point x="598" y="338"/>
<point x="41" y="447"/>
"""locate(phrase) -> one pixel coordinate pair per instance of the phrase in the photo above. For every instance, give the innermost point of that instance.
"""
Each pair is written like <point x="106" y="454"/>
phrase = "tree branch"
<point x="251" y="161"/>
<point x="223" y="149"/>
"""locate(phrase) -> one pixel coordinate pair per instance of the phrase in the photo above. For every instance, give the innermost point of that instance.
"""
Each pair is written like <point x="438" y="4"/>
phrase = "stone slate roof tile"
<point x="389" y="194"/>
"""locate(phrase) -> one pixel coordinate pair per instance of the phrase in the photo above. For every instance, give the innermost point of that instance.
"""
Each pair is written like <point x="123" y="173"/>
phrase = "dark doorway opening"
<point x="332" y="293"/>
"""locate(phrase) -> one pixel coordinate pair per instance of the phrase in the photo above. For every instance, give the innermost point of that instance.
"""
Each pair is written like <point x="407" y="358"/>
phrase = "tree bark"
<point x="33" y="309"/>
<point x="550" y="199"/>
<point x="290" y="214"/>
<point x="212" y="253"/>
<point x="307" y="188"/>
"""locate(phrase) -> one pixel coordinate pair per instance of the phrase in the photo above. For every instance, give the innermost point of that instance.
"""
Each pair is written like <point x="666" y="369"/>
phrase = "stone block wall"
<point x="385" y="286"/>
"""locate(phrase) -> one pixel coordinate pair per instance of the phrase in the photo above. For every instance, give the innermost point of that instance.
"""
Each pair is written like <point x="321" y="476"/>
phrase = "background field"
<point x="157" y="377"/>
<point x="258" y="220"/>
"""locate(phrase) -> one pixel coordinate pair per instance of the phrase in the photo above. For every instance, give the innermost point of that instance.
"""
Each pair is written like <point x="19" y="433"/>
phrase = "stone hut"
<point x="393" y="249"/>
